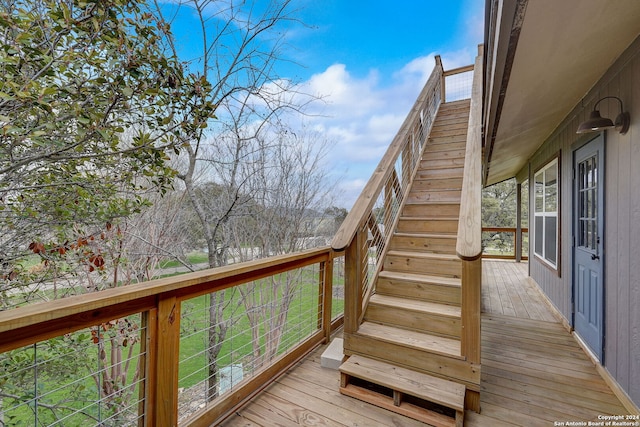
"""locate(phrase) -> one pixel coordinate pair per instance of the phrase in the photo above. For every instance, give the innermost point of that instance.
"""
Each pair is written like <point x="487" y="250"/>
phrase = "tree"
<point x="499" y="210"/>
<point x="293" y="187"/>
<point x="240" y="43"/>
<point x="88" y="102"/>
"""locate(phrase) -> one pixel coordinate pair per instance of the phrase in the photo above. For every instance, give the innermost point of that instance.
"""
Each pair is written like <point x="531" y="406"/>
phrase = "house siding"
<point x="622" y="218"/>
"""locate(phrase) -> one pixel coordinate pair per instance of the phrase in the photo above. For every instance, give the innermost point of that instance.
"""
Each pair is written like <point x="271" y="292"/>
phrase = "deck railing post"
<point x="442" y="78"/>
<point x="471" y="298"/>
<point x="353" y="283"/>
<point x="167" y="356"/>
<point x="148" y="364"/>
<point x="326" y="295"/>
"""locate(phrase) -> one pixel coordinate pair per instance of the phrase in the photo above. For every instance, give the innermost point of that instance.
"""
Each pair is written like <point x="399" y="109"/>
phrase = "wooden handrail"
<point x="459" y="70"/>
<point x="469" y="243"/>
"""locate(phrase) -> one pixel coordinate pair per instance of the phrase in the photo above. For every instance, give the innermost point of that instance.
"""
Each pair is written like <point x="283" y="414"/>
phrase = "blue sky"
<point x="383" y="36"/>
<point x="369" y="60"/>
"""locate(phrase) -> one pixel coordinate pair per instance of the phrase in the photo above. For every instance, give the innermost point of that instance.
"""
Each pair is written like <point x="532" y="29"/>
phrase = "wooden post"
<point x="326" y="280"/>
<point x="167" y="355"/>
<point x="406" y="165"/>
<point x="353" y="283"/>
<point x="471" y="306"/>
<point x="442" y="88"/>
<point x="148" y="361"/>
<point x="518" y="235"/>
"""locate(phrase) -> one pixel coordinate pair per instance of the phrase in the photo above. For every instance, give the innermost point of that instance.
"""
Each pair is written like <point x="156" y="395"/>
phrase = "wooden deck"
<point x="533" y="372"/>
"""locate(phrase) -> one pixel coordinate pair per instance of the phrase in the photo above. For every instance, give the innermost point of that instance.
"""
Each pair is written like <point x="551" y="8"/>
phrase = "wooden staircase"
<point x="406" y="354"/>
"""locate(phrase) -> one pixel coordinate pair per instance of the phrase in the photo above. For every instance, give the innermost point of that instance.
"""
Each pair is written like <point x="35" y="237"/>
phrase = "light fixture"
<point x="597" y="123"/>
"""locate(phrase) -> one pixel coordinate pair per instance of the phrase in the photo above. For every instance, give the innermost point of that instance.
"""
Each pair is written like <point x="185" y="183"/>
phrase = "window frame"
<point x="540" y="211"/>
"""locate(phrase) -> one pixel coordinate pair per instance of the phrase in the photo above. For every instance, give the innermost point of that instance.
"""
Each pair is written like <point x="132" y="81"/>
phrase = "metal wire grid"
<point x="87" y="378"/>
<point x="261" y="320"/>
<point x="458" y="86"/>
<point x="337" y="301"/>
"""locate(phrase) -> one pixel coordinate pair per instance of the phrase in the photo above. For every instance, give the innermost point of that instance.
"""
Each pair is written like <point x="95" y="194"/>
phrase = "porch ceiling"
<point x="563" y="48"/>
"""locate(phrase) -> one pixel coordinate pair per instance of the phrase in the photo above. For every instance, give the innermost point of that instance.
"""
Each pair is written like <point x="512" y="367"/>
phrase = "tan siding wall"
<point x="622" y="215"/>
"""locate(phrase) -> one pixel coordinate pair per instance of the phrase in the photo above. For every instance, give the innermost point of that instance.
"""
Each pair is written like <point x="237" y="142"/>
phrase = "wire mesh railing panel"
<point x="229" y="336"/>
<point x="91" y="377"/>
<point x="458" y="86"/>
<point x="337" y="301"/>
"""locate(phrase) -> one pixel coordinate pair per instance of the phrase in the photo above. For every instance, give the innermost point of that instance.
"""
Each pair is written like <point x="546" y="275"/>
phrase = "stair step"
<point x="444" y="196"/>
<point x="453" y="120"/>
<point x="446" y="143"/>
<point x="424" y="342"/>
<point x="442" y="163"/>
<point x="426" y="316"/>
<point x="454" y="116"/>
<point x="444" y="154"/>
<point x="426" y="184"/>
<point x="403" y="381"/>
<point x="437" y="355"/>
<point x="445" y="134"/>
<point x="424" y="242"/>
<point x="416" y="224"/>
<point x="454" y="105"/>
<point x="431" y="209"/>
<point x="419" y="286"/>
<point x="448" y="111"/>
<point x="440" y="173"/>
<point x="423" y="262"/>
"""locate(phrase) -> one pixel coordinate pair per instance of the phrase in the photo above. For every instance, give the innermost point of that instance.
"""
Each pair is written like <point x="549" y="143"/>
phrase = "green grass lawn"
<point x="238" y="348"/>
<point x="193" y="258"/>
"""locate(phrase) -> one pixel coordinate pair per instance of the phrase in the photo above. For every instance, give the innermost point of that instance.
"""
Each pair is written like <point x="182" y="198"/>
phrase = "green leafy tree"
<point x="89" y="103"/>
<point x="88" y="98"/>
<point x="499" y="204"/>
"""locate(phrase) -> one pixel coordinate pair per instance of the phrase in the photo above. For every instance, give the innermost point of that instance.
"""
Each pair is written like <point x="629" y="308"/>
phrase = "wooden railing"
<point x="159" y="305"/>
<point x="469" y="244"/>
<point x="517" y="252"/>
<point x="366" y="231"/>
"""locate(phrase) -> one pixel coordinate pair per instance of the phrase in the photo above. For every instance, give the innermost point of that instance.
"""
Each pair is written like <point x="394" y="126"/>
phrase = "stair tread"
<point x="416" y="305"/>
<point x="430" y="218"/>
<point x="425" y="255"/>
<point x="437" y="390"/>
<point x="431" y="204"/>
<point x="429" y="235"/>
<point x="420" y="278"/>
<point x="449" y="347"/>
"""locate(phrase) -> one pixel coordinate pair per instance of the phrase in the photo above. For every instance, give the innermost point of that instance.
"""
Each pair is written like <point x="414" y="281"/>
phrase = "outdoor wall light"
<point x="597" y="123"/>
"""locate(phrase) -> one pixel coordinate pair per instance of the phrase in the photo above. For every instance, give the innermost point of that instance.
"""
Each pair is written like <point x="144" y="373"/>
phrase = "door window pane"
<point x="588" y="203"/>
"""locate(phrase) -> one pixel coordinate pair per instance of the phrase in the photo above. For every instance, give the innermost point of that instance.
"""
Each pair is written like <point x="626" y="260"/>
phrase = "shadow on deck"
<point x="534" y="373"/>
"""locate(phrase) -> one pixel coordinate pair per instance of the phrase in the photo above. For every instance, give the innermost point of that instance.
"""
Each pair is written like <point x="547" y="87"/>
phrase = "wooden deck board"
<point x="533" y="372"/>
